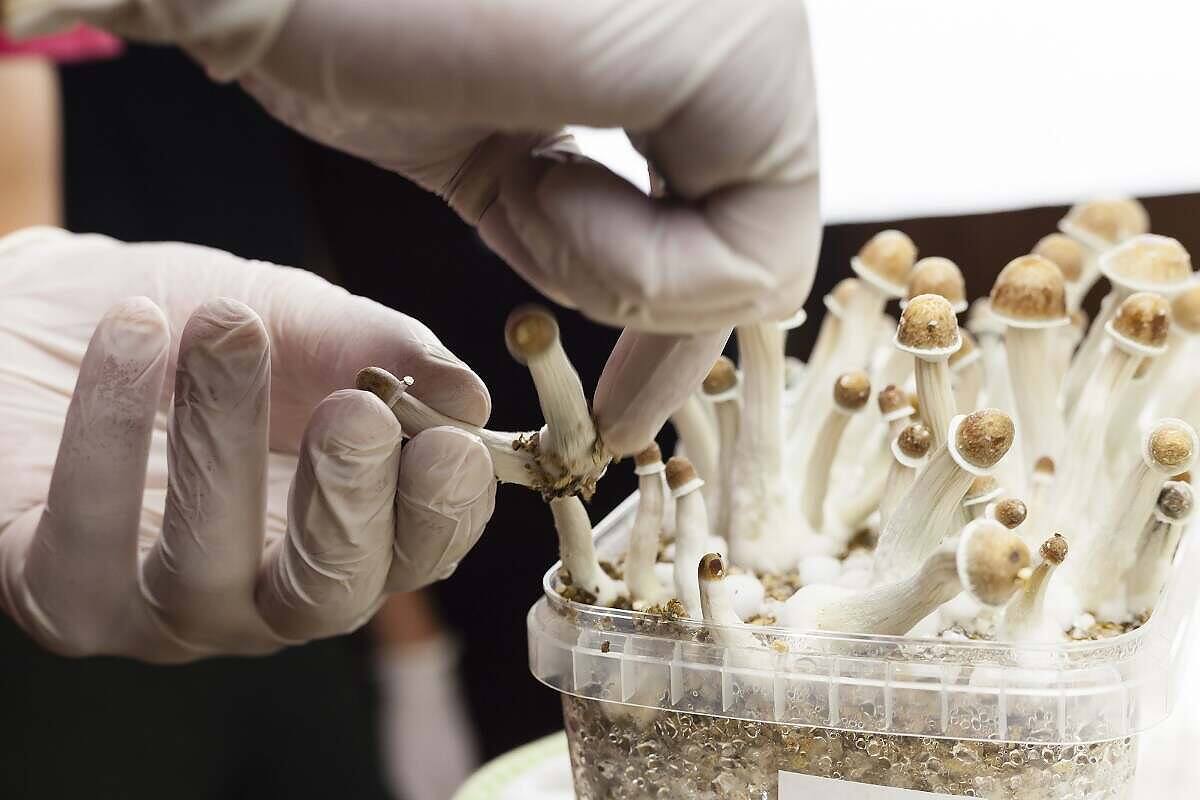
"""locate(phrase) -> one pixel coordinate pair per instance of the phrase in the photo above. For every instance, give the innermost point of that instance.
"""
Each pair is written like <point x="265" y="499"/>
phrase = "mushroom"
<point x="645" y="589"/>
<point x="1145" y="263"/>
<point x="569" y="450"/>
<point x="928" y="331"/>
<point x="716" y="606"/>
<point x="1071" y="259"/>
<point x="986" y="560"/>
<point x="721" y="389"/>
<point x="940" y="276"/>
<point x="909" y="451"/>
<point x="1139" y="330"/>
<point x="829" y="337"/>
<point x="850" y="395"/>
<point x="691" y="531"/>
<point x="966" y="373"/>
<point x="577" y="550"/>
<point x="882" y="266"/>
<point x="513" y="454"/>
<point x="1025" y="618"/>
<point x="856" y="507"/>
<point x="1107" y="552"/>
<point x="1157" y="546"/>
<point x="1099" y="225"/>
<point x="764" y="513"/>
<point x="926" y="513"/>
<point x="1009" y="512"/>
<point x="1029" y="298"/>
<point x="696" y="426"/>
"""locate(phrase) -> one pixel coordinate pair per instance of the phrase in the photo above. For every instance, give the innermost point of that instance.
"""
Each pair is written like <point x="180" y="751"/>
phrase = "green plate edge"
<point x="498" y="774"/>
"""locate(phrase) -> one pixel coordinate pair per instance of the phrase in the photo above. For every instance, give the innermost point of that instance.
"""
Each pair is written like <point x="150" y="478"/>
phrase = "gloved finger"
<point x="326" y="575"/>
<point x="80" y="571"/>
<point x="647" y="378"/>
<point x="445" y="496"/>
<point x="200" y="575"/>
<point x="747" y="253"/>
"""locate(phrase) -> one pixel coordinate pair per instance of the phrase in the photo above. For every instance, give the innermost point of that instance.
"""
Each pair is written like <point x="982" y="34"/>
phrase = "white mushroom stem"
<point x="512" y="454"/>
<point x="1041" y="495"/>
<point x="762" y="512"/>
<point x="852" y="392"/>
<point x="696" y="425"/>
<point x="856" y="507"/>
<point x="927" y="512"/>
<point x="1105" y="554"/>
<point x="1124" y="428"/>
<point x="716" y="606"/>
<point x="1091" y="351"/>
<point x="1157" y="547"/>
<point x="1025" y="618"/>
<point x="568" y="445"/>
<point x="578" y="551"/>
<point x="691" y="541"/>
<point x="864" y="308"/>
<point x="901" y="475"/>
<point x="817" y="371"/>
<point x="894" y="608"/>
<point x="1085" y="443"/>
<point x="645" y="589"/>
<point x="728" y="422"/>
<point x="1035" y="391"/>
<point x="967" y="378"/>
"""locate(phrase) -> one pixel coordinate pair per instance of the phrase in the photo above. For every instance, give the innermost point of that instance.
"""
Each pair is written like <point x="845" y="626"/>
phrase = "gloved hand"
<point x="463" y="96"/>
<point x="166" y="529"/>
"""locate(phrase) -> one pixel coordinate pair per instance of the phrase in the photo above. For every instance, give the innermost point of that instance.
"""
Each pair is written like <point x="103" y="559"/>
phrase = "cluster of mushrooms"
<point x="1022" y="478"/>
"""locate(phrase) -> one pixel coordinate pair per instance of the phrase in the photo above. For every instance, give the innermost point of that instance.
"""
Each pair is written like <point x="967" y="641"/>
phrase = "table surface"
<point x="932" y="107"/>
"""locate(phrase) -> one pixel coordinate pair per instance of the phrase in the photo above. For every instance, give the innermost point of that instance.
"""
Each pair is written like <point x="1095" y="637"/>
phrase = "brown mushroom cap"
<point x="1172" y="446"/>
<point x="993" y="562"/>
<point x="940" y="276"/>
<point x="984" y="437"/>
<point x="1148" y="261"/>
<point x="1030" y="289"/>
<point x="1065" y="252"/>
<point x="1185" y="311"/>
<point x="380" y="383"/>
<point x="1044" y="466"/>
<point x="680" y="472"/>
<point x="1054" y="549"/>
<point x="892" y="399"/>
<point x="1176" y="500"/>
<point x="651" y="455"/>
<point x="915" y="440"/>
<point x="1110" y="221"/>
<point x="721" y="378"/>
<point x="529" y="332"/>
<point x="852" y="390"/>
<point x="712" y="568"/>
<point x="844" y="290"/>
<point x="1011" y="512"/>
<point x="928" y="323"/>
<point x="969" y="346"/>
<point x="889" y="255"/>
<point x="1144" y="319"/>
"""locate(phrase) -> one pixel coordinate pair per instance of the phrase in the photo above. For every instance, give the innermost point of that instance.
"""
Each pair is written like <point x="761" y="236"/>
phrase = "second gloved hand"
<point x="185" y="476"/>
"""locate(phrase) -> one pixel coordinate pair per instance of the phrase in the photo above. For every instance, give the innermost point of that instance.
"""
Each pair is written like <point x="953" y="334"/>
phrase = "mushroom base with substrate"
<point x="674" y="755"/>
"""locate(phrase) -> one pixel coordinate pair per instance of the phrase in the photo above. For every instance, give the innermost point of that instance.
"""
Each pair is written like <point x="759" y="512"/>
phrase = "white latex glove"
<point x="428" y="747"/>
<point x="461" y="96"/>
<point x="165" y="529"/>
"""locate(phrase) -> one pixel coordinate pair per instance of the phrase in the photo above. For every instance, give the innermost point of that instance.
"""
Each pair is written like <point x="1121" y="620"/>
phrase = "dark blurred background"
<point x="154" y="151"/>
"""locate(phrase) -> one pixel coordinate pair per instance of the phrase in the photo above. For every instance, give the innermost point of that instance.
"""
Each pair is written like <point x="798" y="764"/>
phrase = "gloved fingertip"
<point x="353" y="421"/>
<point x="456" y="392"/>
<point x="134" y="328"/>
<point x="226" y="341"/>
<point x="445" y="469"/>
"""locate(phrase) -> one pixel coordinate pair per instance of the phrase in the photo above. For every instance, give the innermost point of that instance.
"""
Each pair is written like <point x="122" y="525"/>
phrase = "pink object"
<point x="78" y="44"/>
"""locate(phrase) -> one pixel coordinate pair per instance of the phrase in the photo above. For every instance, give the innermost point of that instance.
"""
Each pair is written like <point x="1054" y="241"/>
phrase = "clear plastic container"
<point x="658" y="709"/>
